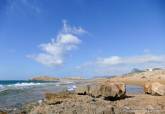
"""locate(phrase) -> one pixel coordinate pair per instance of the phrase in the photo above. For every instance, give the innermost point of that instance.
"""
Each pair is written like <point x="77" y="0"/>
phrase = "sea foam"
<point x="26" y="84"/>
<point x="18" y="86"/>
<point x="1" y="86"/>
<point x="71" y="88"/>
<point x="22" y="85"/>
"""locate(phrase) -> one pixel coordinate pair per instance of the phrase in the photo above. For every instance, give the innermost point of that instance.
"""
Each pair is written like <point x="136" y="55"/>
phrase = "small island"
<point x="44" y="78"/>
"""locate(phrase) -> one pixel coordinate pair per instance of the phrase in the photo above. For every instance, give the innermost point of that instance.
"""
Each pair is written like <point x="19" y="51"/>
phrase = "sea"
<point x="16" y="93"/>
<point x="134" y="89"/>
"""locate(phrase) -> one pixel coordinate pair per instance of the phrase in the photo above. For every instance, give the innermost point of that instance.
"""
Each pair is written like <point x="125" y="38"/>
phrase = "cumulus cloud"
<point x="115" y="65"/>
<point x="53" y="53"/>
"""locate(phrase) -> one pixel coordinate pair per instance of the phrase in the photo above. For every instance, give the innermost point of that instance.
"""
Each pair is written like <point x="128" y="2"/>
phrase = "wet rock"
<point x="154" y="88"/>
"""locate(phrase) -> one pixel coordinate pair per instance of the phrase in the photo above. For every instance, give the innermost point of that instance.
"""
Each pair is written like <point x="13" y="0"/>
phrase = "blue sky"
<point x="80" y="37"/>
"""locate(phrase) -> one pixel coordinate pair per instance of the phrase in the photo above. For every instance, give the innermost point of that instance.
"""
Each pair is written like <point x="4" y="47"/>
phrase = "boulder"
<point x="95" y="90"/>
<point x="106" y="90"/>
<point x="114" y="90"/>
<point x="147" y="88"/>
<point x="83" y="89"/>
<point x="154" y="88"/>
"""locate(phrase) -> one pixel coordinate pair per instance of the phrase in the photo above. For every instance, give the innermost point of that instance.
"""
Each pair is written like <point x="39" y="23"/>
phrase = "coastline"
<point x="132" y="103"/>
<point x="18" y="94"/>
<point x="135" y="101"/>
<point x="71" y="103"/>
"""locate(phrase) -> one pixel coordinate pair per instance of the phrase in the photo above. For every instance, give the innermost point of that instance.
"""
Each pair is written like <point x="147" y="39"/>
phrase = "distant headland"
<point x="44" y="78"/>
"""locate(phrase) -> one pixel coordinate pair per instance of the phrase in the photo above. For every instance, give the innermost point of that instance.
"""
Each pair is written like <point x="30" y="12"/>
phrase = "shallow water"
<point x="17" y="93"/>
<point x="134" y="89"/>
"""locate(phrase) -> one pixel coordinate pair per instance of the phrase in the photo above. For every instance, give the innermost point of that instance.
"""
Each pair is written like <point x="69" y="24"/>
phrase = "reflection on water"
<point x="134" y="89"/>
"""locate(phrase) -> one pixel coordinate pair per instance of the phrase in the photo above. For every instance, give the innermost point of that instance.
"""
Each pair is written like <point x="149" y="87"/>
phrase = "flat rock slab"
<point x="85" y="104"/>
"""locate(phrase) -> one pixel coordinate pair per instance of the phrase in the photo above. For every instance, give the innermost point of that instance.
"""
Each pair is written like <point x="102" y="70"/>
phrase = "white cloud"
<point x="72" y="29"/>
<point x="24" y="6"/>
<point x="53" y="53"/>
<point x="115" y="65"/>
<point x="109" y="61"/>
<point x="115" y="60"/>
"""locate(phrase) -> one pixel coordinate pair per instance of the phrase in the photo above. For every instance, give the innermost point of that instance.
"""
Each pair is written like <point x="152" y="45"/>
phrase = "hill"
<point x="141" y="77"/>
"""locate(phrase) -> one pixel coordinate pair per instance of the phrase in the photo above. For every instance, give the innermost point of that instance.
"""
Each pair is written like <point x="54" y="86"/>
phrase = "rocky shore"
<point x="80" y="104"/>
<point x="101" y="98"/>
<point x="104" y="96"/>
<point x="69" y="103"/>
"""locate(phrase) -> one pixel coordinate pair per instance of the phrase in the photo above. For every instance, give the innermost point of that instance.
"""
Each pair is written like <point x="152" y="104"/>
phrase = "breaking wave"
<point x="18" y="86"/>
<point x="25" y="84"/>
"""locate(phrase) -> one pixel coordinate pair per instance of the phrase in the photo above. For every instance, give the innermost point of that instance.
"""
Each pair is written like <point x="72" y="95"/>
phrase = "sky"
<point x="86" y="38"/>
